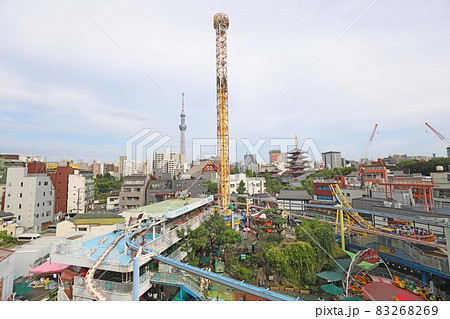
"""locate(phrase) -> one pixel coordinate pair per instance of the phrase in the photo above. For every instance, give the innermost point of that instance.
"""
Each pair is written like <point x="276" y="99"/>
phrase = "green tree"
<point x="250" y="173"/>
<point x="321" y="237"/>
<point x="423" y="167"/>
<point x="229" y="237"/>
<point x="106" y="183"/>
<point x="245" y="274"/>
<point x="296" y="262"/>
<point x="212" y="187"/>
<point x="212" y="235"/>
<point x="6" y="240"/>
<point x="235" y="170"/>
<point x="241" y="187"/>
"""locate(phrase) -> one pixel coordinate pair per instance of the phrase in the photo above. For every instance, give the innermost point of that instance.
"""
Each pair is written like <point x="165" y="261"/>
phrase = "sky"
<point x="79" y="78"/>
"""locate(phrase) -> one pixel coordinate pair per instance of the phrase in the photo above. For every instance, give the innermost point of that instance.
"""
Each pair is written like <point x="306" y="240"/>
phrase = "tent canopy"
<point x="352" y="299"/>
<point x="332" y="289"/>
<point x="330" y="276"/>
<point x="336" y="275"/>
<point x="49" y="268"/>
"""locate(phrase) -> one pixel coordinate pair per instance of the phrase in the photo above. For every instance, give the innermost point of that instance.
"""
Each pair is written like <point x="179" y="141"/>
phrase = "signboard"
<point x="386" y="250"/>
<point x="172" y="213"/>
<point x="369" y="255"/>
<point x="219" y="266"/>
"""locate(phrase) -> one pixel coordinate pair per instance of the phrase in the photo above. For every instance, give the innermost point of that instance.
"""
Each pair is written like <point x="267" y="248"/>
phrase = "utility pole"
<point x="78" y="201"/>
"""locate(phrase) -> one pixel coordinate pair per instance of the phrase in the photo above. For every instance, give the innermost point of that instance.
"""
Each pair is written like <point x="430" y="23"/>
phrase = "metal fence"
<point x="412" y="252"/>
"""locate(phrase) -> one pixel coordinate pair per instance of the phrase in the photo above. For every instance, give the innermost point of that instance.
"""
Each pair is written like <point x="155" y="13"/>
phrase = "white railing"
<point x="168" y="239"/>
<point x="176" y="279"/>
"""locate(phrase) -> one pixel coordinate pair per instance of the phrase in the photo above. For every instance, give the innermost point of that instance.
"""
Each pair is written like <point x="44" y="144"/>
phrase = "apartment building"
<point x="253" y="185"/>
<point x="133" y="192"/>
<point x="30" y="197"/>
<point x="80" y="195"/>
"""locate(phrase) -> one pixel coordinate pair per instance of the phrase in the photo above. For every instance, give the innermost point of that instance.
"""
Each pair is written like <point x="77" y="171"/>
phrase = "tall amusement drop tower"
<point x="221" y="24"/>
<point x="182" y="127"/>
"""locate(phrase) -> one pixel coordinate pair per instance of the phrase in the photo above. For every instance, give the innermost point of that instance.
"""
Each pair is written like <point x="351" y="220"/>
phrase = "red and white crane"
<point x="442" y="137"/>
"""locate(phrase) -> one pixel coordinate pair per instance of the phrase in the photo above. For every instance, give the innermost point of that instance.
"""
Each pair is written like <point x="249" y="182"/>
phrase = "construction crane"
<point x="366" y="151"/>
<point x="442" y="137"/>
<point x="221" y="23"/>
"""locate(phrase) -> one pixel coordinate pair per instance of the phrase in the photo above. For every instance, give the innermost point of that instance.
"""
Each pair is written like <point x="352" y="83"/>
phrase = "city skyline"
<point x="68" y="91"/>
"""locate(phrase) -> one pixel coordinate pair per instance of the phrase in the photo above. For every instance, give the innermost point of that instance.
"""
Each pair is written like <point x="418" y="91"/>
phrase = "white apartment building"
<point x="112" y="201"/>
<point x="80" y="192"/>
<point x="30" y="197"/>
<point x="253" y="185"/>
<point x="132" y="167"/>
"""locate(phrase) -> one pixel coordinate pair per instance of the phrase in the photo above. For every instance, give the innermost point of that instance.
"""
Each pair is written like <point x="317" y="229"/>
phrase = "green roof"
<point x="96" y="215"/>
<point x="97" y="218"/>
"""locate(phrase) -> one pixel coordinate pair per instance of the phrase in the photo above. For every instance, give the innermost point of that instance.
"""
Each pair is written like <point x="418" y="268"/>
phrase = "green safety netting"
<point x="21" y="288"/>
<point x="332" y="289"/>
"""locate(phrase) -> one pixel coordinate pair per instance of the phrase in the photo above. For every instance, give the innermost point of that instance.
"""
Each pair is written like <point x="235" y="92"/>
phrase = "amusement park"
<point x="346" y="235"/>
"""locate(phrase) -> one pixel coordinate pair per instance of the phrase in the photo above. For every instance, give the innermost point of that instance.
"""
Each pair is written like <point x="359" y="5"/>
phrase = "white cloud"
<point x="390" y="68"/>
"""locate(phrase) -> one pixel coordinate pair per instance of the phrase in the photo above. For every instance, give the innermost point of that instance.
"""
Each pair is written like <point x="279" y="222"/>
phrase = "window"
<point x="44" y="193"/>
<point x="18" y="217"/>
<point x="37" y="215"/>
<point x="20" y="195"/>
<point x="42" y="214"/>
<point x="39" y="183"/>
<point x="45" y="183"/>
<point x="9" y="195"/>
<point x="43" y="203"/>
<point x="21" y="184"/>
<point x="20" y="206"/>
<point x="47" y="214"/>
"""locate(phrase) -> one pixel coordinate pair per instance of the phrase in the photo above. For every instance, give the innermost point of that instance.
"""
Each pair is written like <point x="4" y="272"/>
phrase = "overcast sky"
<point x="68" y="91"/>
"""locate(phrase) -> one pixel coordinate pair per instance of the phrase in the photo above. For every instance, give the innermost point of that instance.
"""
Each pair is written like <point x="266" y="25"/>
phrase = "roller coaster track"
<point x="90" y="284"/>
<point x="337" y="193"/>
